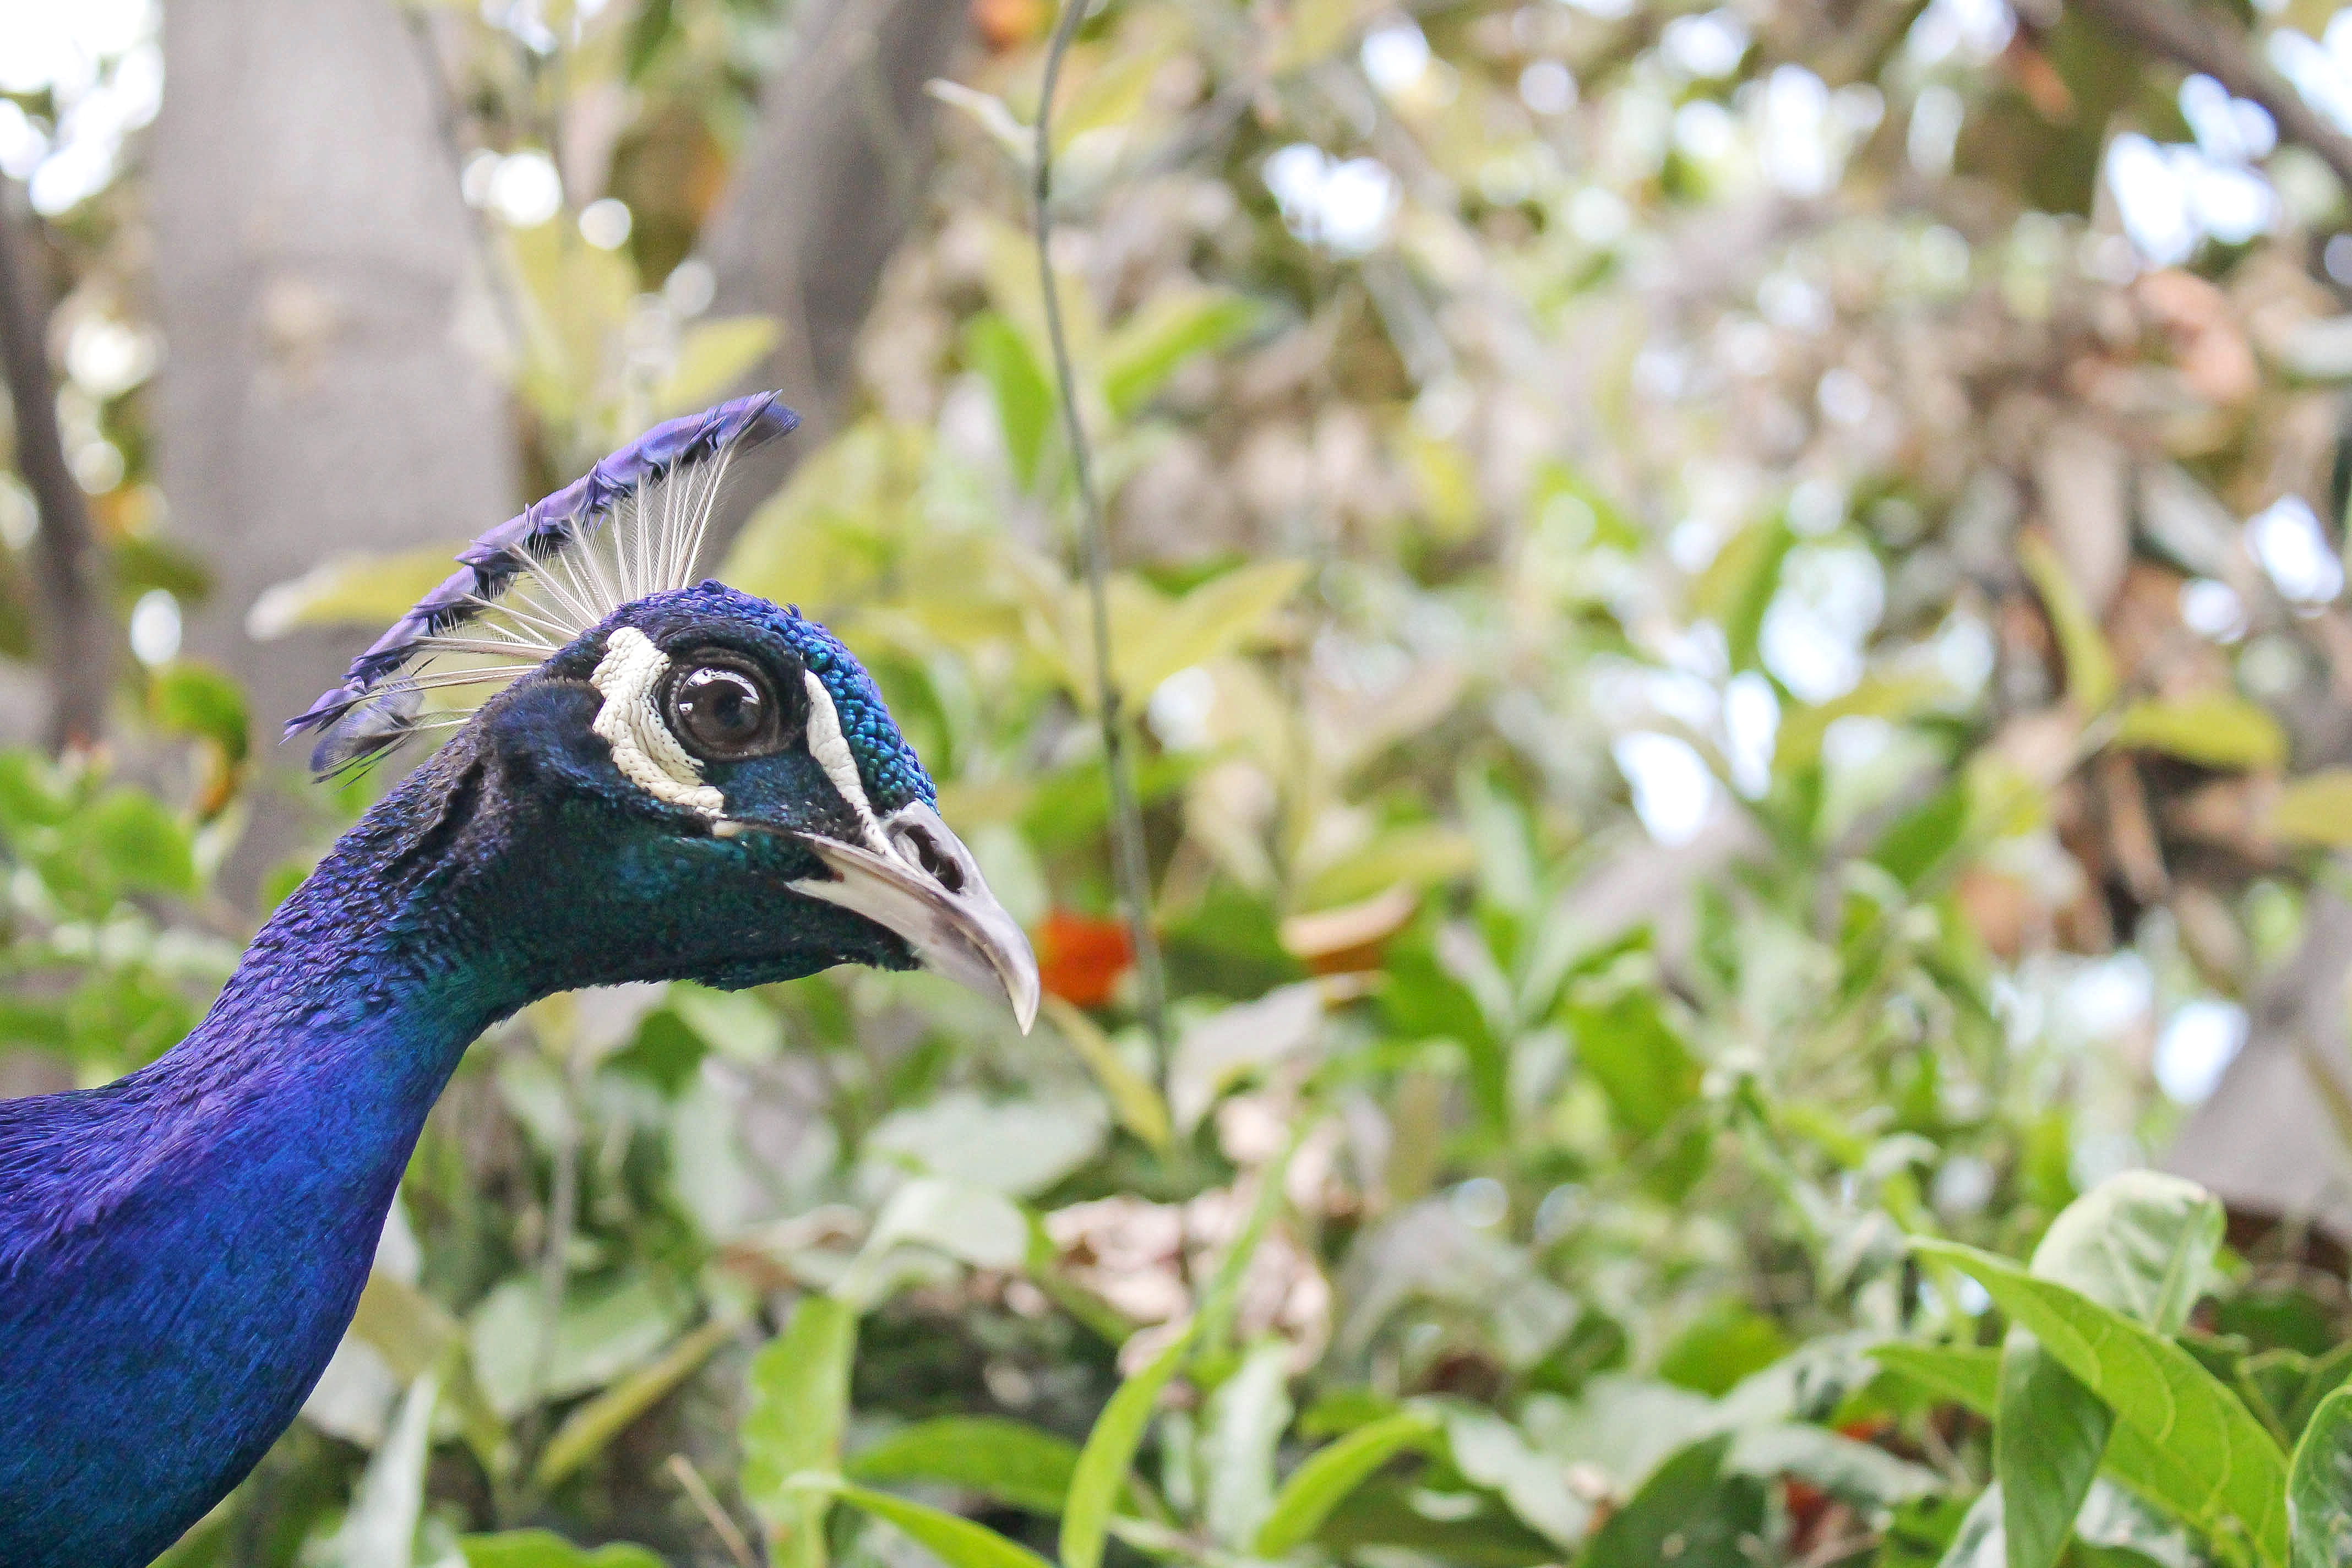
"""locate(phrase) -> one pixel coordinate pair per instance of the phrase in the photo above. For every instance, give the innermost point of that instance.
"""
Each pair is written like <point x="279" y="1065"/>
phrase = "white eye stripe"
<point x="649" y="756"/>
<point x="644" y="751"/>
<point x="831" y="749"/>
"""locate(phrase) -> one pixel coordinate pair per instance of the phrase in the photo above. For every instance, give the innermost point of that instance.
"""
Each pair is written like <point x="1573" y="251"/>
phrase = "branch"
<point x="68" y="568"/>
<point x="2208" y="44"/>
<point x="1126" y="819"/>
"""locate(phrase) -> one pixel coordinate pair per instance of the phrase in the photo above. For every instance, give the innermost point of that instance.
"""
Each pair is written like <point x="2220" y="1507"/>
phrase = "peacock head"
<point x="683" y="781"/>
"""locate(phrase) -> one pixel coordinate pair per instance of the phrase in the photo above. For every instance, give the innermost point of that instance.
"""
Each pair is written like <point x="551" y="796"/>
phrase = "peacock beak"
<point x="928" y="890"/>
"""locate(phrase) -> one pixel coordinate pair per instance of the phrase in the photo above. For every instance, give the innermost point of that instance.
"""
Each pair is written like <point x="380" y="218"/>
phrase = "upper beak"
<point x="933" y="896"/>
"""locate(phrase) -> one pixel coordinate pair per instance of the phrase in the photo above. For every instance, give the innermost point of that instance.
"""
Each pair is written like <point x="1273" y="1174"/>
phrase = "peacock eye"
<point x="725" y="711"/>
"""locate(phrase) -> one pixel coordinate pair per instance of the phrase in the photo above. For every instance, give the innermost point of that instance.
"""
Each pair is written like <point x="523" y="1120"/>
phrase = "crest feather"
<point x="633" y="525"/>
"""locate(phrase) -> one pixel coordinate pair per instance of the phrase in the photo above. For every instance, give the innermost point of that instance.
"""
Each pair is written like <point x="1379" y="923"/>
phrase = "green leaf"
<point x="1640" y="1063"/>
<point x="2048" y="1439"/>
<point x="1508" y="863"/>
<point x="1101" y="1474"/>
<point x="2272" y="1383"/>
<point x="1475" y="1532"/>
<point x="1920" y="838"/>
<point x="2328" y="1373"/>
<point x="1330" y="1473"/>
<point x="1891" y="697"/>
<point x="974" y="1225"/>
<point x="1972" y="1544"/>
<point x="1421" y="1001"/>
<point x="140" y="843"/>
<point x="1014" y="1147"/>
<point x="1968" y="1376"/>
<point x="605" y="1331"/>
<point x="952" y="1538"/>
<point x="800" y="1400"/>
<point x="1920" y="1531"/>
<point x="361" y="590"/>
<point x="1154" y="343"/>
<point x="2319" y="1486"/>
<point x="1497" y="1454"/>
<point x="1724" y="1344"/>
<point x="208" y="1541"/>
<point x="647" y="32"/>
<point x="2315" y="808"/>
<point x="991" y="114"/>
<point x="147" y="561"/>
<point x="1013" y="1462"/>
<point x="33" y="793"/>
<point x="1244" y="1421"/>
<point x="190" y="698"/>
<point x="1648" y="1077"/>
<point x="380" y="1530"/>
<point x="2090" y="666"/>
<point x="1444" y="483"/>
<point x="404" y="1326"/>
<point x="733" y="1023"/>
<point x="587" y="1429"/>
<point x="712" y="355"/>
<point x="1113" y="93"/>
<point x="1739" y="584"/>
<point x="2206" y="1457"/>
<point x="2142" y="1244"/>
<point x="2215" y="730"/>
<point x="545" y="1549"/>
<point x="1689" y="1512"/>
<point x="1213" y="618"/>
<point x="1133" y="1098"/>
<point x="995" y="347"/>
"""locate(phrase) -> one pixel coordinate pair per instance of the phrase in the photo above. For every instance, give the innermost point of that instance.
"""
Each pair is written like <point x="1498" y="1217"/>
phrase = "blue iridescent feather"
<point x="554" y="546"/>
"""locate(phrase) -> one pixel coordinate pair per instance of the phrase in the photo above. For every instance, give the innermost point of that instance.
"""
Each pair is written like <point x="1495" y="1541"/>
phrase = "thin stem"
<point x="706" y="1503"/>
<point x="554" y="1262"/>
<point x="1134" y="873"/>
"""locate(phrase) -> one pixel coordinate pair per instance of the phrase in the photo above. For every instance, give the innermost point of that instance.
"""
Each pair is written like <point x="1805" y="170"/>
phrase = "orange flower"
<point x="1007" y="24"/>
<point x="1081" y="957"/>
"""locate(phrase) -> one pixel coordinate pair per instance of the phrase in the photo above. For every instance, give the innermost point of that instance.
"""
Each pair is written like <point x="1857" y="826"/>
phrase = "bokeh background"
<point x="1728" y="621"/>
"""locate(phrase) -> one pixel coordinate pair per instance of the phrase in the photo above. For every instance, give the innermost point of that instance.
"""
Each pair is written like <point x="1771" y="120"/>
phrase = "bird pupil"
<point x="721" y="710"/>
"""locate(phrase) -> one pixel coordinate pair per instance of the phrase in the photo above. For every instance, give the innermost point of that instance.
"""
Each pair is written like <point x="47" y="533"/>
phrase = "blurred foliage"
<point x="1735" y="686"/>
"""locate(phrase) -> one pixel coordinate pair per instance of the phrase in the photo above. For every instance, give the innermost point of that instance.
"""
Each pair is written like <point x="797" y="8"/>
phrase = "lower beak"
<point x="962" y="933"/>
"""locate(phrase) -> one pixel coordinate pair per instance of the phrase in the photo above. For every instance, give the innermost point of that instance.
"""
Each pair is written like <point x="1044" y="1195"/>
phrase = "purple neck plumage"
<point x="351" y="993"/>
<point x="181" y="1251"/>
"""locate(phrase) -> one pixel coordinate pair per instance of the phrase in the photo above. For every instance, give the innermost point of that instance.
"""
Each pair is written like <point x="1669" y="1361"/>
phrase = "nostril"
<point x="939" y="866"/>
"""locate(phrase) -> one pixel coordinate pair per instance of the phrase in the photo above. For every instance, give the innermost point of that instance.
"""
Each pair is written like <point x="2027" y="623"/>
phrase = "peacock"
<point x="645" y="777"/>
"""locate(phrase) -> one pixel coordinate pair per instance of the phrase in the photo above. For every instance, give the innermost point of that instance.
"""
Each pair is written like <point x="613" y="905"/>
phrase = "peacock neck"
<point x="181" y="1250"/>
<point x="363" y="989"/>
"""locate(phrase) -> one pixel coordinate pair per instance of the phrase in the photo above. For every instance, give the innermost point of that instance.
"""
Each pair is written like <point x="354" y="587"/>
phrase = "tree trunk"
<point x="70" y="610"/>
<point x="835" y="173"/>
<point x="318" y="281"/>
